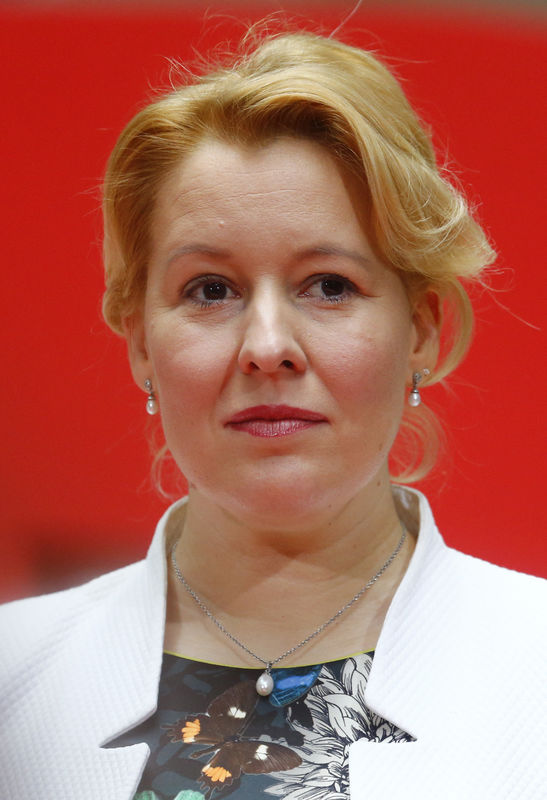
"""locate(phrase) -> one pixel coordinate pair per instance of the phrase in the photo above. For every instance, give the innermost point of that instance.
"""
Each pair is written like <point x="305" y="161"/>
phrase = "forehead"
<point x="288" y="182"/>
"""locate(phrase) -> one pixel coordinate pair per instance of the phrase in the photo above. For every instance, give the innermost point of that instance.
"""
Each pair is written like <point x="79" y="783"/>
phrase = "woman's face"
<point x="278" y="345"/>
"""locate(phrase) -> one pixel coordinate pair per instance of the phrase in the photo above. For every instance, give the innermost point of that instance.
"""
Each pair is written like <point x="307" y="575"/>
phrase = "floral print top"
<point x="214" y="737"/>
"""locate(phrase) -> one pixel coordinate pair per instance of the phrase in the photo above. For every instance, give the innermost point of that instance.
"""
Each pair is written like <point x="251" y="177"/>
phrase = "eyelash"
<point x="208" y="280"/>
<point x="348" y="287"/>
<point x="190" y="291"/>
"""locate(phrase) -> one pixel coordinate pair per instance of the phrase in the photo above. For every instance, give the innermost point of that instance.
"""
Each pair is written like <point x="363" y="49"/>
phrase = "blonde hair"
<point x="304" y="85"/>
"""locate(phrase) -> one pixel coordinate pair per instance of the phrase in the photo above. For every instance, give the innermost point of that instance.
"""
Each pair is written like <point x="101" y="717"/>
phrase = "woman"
<point x="282" y="257"/>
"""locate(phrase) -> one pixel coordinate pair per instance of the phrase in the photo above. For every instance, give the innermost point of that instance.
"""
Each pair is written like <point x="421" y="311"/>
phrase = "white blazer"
<point x="460" y="664"/>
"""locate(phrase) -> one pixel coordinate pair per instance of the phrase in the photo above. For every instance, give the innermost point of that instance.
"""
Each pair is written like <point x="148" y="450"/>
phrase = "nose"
<point x="269" y="341"/>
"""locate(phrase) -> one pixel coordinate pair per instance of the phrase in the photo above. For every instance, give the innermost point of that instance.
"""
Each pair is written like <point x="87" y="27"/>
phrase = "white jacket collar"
<point x="136" y="621"/>
<point x="139" y="622"/>
<point x="402" y="650"/>
<point x="401" y="641"/>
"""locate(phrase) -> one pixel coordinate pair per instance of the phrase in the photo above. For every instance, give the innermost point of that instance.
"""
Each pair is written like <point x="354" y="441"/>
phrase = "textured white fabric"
<point x="460" y="664"/>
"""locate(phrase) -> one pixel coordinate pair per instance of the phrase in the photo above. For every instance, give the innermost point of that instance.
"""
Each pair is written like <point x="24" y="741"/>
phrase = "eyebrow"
<point x="331" y="250"/>
<point x="308" y="252"/>
<point x="197" y="247"/>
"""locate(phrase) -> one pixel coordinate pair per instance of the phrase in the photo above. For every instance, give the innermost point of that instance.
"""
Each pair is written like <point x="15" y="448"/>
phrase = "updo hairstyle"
<point x="306" y="86"/>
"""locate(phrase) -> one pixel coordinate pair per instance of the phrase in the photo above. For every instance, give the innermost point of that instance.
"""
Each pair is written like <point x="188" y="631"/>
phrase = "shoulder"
<point x="445" y="569"/>
<point x="483" y="573"/>
<point x="495" y="586"/>
<point x="502" y="609"/>
<point x="30" y="626"/>
<point x="463" y="598"/>
<point x="66" y="626"/>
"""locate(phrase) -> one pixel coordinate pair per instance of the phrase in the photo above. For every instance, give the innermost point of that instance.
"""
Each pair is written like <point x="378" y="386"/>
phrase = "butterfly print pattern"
<point x="213" y="738"/>
<point x="222" y="727"/>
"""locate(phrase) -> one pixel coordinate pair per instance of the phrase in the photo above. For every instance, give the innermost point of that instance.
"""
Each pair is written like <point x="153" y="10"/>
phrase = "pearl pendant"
<point x="265" y="684"/>
<point x="151" y="406"/>
<point x="414" y="398"/>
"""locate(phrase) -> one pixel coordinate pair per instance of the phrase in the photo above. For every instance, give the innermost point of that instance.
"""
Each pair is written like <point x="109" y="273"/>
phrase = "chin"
<point x="286" y="504"/>
<point x="278" y="513"/>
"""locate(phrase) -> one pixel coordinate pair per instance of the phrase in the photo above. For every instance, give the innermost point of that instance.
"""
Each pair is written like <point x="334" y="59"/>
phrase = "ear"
<point x="427" y="322"/>
<point x="139" y="361"/>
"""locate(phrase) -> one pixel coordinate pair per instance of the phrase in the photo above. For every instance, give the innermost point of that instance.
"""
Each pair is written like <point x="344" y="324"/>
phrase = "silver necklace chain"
<point x="269" y="663"/>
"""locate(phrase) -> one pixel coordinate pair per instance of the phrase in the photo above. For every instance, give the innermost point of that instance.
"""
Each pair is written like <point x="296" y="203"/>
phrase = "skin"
<point x="263" y="289"/>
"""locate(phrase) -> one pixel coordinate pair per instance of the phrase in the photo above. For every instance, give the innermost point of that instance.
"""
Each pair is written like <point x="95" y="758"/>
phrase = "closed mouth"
<point x="275" y="412"/>
<point x="274" y="420"/>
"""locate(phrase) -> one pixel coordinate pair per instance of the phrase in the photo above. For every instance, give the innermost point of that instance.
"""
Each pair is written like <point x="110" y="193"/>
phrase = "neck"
<point x="271" y="585"/>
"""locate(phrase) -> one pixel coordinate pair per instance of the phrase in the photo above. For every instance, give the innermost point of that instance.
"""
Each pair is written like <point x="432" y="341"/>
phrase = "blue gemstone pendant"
<point x="292" y="683"/>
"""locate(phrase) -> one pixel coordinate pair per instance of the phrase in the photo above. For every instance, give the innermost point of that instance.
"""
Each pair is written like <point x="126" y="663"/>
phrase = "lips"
<point x="274" y="420"/>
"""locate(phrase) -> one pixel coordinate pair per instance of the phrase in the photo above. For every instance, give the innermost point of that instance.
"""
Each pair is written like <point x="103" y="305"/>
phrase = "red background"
<point x="76" y="497"/>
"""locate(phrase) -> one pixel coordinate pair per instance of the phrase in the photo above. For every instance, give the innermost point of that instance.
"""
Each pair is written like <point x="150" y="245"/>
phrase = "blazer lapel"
<point x="445" y="672"/>
<point x="116" y="680"/>
<point x="410" y="670"/>
<point x="127" y="671"/>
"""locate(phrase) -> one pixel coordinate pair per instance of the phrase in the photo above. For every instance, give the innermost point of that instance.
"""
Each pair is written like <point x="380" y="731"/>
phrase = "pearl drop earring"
<point x="415" y="398"/>
<point x="151" y="402"/>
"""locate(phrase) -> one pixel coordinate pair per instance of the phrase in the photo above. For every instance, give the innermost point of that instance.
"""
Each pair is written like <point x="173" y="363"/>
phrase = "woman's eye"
<point x="333" y="288"/>
<point x="208" y="291"/>
<point x="214" y="291"/>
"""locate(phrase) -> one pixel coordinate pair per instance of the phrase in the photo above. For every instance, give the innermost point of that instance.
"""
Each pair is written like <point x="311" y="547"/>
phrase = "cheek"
<point x="369" y="381"/>
<point x="370" y="369"/>
<point x="190" y="369"/>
